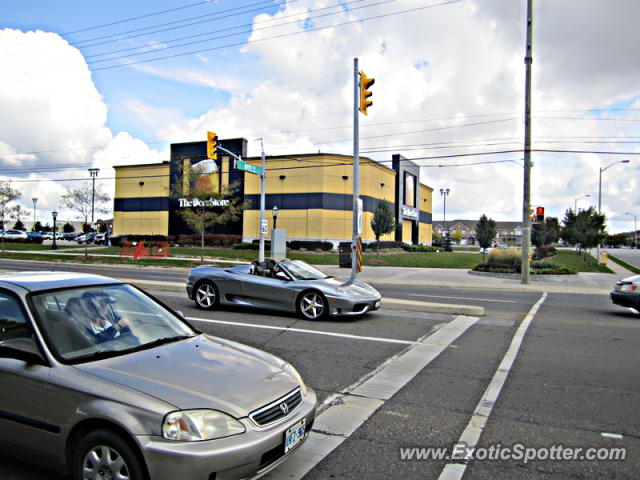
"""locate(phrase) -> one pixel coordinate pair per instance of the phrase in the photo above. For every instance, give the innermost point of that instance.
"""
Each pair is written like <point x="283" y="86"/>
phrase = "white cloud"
<point x="450" y="76"/>
<point x="52" y="117"/>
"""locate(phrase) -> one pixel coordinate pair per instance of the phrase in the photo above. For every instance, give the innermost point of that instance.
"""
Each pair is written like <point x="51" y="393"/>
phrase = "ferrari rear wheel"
<point x="206" y="296"/>
<point x="312" y="305"/>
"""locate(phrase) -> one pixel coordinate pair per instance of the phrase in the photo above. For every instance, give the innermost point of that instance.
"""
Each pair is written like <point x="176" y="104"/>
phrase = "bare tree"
<point x="81" y="199"/>
<point x="209" y="203"/>
<point x="16" y="213"/>
<point x="7" y="195"/>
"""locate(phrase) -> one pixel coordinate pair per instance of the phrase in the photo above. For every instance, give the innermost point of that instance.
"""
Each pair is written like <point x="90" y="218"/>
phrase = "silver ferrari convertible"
<point x="288" y="285"/>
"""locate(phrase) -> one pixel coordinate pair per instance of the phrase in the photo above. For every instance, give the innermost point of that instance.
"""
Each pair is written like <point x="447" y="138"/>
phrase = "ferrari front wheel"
<point x="312" y="305"/>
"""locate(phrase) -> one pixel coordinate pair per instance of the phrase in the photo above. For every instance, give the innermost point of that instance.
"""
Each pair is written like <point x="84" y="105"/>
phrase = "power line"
<point x="236" y="44"/>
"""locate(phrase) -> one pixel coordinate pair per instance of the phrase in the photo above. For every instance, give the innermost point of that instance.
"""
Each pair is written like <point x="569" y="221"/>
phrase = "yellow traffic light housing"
<point x="212" y="145"/>
<point x="365" y="84"/>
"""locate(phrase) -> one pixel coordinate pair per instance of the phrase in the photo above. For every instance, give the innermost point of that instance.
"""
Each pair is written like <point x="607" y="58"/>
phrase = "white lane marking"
<point x="461" y="298"/>
<point x="616" y="436"/>
<point x="302" y="330"/>
<point x="471" y="434"/>
<point x="346" y="411"/>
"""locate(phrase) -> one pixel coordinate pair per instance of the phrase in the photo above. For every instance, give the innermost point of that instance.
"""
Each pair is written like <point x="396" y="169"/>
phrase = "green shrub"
<point x="508" y="256"/>
<point x="313" y="245"/>
<point x="420" y="248"/>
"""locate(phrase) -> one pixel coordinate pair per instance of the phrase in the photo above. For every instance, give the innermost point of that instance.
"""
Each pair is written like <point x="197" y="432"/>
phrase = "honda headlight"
<point x="198" y="425"/>
<point x="294" y="373"/>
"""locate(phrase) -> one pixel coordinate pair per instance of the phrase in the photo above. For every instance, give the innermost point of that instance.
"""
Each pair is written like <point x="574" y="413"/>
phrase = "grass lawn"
<point x="33" y="246"/>
<point x="218" y="255"/>
<point x="572" y="259"/>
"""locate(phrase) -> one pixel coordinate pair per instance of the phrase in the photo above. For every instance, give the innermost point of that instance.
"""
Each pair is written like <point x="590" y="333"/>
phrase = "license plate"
<point x="294" y="435"/>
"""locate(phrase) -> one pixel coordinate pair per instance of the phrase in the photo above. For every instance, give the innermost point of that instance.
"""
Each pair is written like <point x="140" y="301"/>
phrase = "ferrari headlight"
<point x="290" y="369"/>
<point x="197" y="425"/>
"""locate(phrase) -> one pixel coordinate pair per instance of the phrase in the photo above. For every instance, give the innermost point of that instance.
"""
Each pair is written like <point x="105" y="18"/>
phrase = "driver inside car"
<point x="94" y="321"/>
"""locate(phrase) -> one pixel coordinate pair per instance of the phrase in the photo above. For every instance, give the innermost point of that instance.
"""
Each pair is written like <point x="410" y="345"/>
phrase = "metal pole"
<point x="262" y="202"/>
<point x="599" y="211"/>
<point x="35" y="201"/>
<point x="94" y="174"/>
<point x="356" y="173"/>
<point x="526" y="203"/>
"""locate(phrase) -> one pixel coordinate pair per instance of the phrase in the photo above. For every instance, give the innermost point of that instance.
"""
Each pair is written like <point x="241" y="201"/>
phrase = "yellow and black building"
<point x="313" y="193"/>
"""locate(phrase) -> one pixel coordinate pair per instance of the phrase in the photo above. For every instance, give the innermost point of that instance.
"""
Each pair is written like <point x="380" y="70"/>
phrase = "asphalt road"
<point x="574" y="378"/>
<point x="629" y="255"/>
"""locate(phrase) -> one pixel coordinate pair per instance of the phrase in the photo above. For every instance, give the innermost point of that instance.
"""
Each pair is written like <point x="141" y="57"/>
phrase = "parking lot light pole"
<point x="575" y="202"/>
<point x="94" y="174"/>
<point x="34" y="200"/>
<point x="54" y="246"/>
<point x="635" y="229"/>
<point x="275" y="217"/>
<point x="600" y="199"/>
<point x="443" y="193"/>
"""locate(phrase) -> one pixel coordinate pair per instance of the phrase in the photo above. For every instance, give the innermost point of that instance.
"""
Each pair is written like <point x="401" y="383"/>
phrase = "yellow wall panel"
<point x="406" y="231"/>
<point x="140" y="223"/>
<point x="155" y="180"/>
<point x="425" y="234"/>
<point x="426" y="199"/>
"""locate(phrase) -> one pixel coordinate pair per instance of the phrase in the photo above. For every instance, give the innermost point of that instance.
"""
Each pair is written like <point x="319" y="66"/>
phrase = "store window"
<point x="409" y="189"/>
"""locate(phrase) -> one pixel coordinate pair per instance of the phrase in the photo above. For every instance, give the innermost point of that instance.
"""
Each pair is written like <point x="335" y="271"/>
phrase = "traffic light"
<point x="212" y="145"/>
<point x="365" y="84"/>
<point x="540" y="214"/>
<point x="532" y="217"/>
<point x="359" y="255"/>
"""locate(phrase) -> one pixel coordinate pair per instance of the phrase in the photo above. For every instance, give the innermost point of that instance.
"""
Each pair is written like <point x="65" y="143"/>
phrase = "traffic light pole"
<point x="356" y="173"/>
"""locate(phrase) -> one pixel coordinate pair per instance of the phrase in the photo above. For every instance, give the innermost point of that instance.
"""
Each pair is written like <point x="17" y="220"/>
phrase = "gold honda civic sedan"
<point x="100" y="380"/>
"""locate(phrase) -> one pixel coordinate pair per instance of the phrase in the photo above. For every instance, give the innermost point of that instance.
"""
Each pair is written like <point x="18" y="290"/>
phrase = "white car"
<point x="14" y="235"/>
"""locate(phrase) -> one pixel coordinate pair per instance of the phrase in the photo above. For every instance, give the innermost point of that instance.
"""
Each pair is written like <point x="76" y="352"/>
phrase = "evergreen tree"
<point x="382" y="222"/>
<point x="486" y="230"/>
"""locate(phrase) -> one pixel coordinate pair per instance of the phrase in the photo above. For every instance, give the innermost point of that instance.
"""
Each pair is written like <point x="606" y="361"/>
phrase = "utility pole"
<point x="526" y="204"/>
<point x="263" y="177"/>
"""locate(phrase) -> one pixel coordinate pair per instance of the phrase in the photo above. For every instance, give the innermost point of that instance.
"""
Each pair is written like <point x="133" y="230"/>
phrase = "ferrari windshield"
<point x="101" y="321"/>
<point x="302" y="271"/>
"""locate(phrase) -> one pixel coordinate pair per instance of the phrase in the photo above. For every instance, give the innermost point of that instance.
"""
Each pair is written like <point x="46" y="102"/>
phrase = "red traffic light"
<point x="539" y="214"/>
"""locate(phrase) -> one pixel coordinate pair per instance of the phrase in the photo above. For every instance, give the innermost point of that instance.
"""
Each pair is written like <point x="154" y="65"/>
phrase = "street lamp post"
<point x="35" y="200"/>
<point x="575" y="202"/>
<point x="443" y="193"/>
<point x="54" y="245"/>
<point x="94" y="173"/>
<point x="600" y="197"/>
<point x="635" y="229"/>
<point x="275" y="217"/>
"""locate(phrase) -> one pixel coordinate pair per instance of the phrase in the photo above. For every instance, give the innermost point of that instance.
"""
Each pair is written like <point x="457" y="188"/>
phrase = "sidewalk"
<point x="586" y="283"/>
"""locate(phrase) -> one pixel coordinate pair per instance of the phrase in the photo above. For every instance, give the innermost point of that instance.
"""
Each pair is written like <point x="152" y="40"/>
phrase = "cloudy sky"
<point x="97" y="84"/>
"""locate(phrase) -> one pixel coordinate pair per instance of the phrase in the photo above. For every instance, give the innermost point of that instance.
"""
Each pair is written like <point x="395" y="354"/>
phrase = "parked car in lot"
<point x="100" y="239"/>
<point x="69" y="236"/>
<point x="626" y="293"/>
<point x="288" y="285"/>
<point x="100" y="380"/>
<point x="85" y="238"/>
<point x="15" y="235"/>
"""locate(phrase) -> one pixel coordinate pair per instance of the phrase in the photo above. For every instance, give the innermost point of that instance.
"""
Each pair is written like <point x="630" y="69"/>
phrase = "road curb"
<point x="409" y="305"/>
